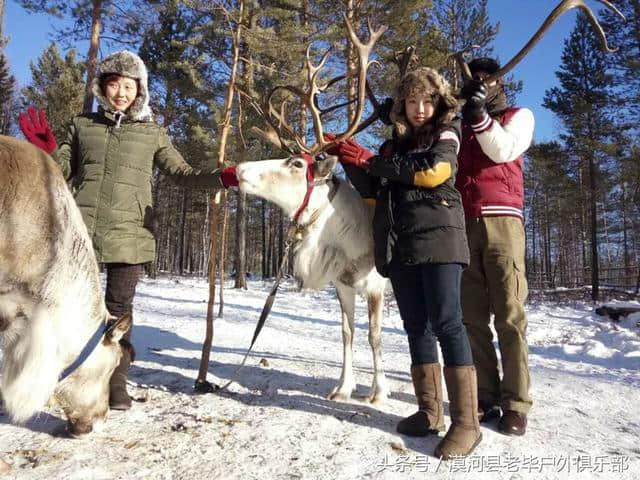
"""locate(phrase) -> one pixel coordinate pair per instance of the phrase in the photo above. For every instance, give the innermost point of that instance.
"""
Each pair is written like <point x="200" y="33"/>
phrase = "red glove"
<point x="350" y="152"/>
<point x="36" y="130"/>
<point x="228" y="177"/>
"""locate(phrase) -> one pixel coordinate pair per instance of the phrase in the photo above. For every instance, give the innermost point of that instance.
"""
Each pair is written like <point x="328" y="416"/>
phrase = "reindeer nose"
<point x="79" y="427"/>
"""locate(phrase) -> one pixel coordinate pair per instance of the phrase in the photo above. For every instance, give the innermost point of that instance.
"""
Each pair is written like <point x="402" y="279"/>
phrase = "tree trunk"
<point x="224" y="134"/>
<point x="625" y="240"/>
<point x="605" y="232"/>
<point x="352" y="61"/>
<point x="1" y="23"/>
<point x="595" y="272"/>
<point x="241" y="245"/>
<point x="223" y="249"/>
<point x="92" y="60"/>
<point x="182" y="247"/>
<point x="534" y="215"/>
<point x="304" y="41"/>
<point x="263" y="205"/>
<point x="547" y="242"/>
<point x="583" y="219"/>
<point x="240" y="253"/>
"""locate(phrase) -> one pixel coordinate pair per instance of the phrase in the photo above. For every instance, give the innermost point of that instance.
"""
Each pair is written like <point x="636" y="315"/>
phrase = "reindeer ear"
<point x="323" y="168"/>
<point x="119" y="328"/>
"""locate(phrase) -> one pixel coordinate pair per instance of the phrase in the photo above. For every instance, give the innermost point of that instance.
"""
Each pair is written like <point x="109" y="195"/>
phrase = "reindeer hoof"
<point x="378" y="398"/>
<point x="338" y="397"/>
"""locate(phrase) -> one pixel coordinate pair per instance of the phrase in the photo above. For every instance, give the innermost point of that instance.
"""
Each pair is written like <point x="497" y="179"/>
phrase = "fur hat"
<point x="425" y="81"/>
<point x="484" y="64"/>
<point x="130" y="65"/>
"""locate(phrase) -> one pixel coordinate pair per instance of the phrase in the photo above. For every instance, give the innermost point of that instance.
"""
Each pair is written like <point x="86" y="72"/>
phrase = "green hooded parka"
<point x="109" y="157"/>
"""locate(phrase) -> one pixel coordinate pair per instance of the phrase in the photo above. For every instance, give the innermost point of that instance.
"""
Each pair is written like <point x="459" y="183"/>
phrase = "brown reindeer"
<point x="56" y="335"/>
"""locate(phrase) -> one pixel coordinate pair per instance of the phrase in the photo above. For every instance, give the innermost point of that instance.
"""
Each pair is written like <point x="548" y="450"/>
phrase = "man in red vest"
<point x="494" y="138"/>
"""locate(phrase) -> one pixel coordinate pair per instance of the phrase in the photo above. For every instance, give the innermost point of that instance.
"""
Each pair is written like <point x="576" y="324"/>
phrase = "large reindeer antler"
<point x="557" y="12"/>
<point x="277" y="124"/>
<point x="405" y="60"/>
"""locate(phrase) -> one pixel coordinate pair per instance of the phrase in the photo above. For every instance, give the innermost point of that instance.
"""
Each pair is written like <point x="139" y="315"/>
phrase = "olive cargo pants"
<point x="495" y="283"/>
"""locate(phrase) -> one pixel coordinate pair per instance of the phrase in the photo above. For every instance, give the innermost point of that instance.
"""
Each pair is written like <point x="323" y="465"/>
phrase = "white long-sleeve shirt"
<point x="505" y="143"/>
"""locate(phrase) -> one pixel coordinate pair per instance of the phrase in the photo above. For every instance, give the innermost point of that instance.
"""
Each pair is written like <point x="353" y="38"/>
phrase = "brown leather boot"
<point x="429" y="419"/>
<point x="513" y="423"/>
<point x="464" y="434"/>
<point x="119" y="399"/>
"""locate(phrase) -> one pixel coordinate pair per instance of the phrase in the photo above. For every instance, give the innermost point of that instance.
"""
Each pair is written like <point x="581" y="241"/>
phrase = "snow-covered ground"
<point x="275" y="423"/>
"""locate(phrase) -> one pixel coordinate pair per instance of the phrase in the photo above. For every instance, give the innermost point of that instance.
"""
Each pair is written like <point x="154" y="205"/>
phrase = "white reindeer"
<point x="335" y="246"/>
<point x="52" y="311"/>
<point x="334" y="224"/>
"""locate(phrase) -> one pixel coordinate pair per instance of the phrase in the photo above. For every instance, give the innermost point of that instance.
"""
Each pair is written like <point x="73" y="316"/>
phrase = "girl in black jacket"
<point x="421" y="245"/>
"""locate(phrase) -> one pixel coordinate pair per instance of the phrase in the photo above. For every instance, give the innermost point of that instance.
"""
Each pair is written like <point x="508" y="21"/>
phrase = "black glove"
<point x="384" y="111"/>
<point x="475" y="93"/>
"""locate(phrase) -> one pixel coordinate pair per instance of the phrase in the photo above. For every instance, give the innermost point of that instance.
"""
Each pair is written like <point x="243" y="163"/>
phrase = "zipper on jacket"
<point x="118" y="116"/>
<point x="104" y="172"/>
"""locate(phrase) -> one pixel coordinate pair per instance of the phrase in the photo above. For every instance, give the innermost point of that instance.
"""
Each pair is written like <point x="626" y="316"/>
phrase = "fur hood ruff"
<point x="130" y="65"/>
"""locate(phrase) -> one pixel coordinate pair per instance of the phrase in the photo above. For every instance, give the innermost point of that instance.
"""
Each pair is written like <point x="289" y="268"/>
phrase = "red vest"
<point x="488" y="188"/>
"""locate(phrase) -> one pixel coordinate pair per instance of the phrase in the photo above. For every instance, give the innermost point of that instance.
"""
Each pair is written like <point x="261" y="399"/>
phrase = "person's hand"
<point x="36" y="130"/>
<point x="228" y="177"/>
<point x="475" y="93"/>
<point x="349" y="152"/>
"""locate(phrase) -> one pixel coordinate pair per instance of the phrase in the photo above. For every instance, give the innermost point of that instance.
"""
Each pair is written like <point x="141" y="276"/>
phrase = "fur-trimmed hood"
<point x="127" y="64"/>
<point x="427" y="81"/>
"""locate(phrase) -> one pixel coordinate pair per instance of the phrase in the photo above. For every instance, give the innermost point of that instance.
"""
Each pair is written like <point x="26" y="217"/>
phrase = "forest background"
<point x="582" y="174"/>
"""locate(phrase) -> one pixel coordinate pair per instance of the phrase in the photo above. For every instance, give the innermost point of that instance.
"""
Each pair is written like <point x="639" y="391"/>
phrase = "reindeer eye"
<point x="297" y="163"/>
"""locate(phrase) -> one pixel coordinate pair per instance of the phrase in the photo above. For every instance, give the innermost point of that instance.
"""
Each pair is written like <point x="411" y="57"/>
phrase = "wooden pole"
<point x="202" y="385"/>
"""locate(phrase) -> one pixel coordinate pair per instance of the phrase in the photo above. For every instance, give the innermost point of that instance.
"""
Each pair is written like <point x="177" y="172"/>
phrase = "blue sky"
<point x="30" y="34"/>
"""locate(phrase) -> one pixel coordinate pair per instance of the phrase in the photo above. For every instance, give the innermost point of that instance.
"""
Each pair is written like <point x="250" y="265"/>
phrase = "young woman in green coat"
<point x="109" y="157"/>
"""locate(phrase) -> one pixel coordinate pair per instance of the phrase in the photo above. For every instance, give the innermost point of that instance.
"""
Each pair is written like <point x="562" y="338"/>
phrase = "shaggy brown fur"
<point x="429" y="82"/>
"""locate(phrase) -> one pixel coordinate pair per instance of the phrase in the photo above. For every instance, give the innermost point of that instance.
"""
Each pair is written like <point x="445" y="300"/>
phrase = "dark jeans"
<point x="122" y="279"/>
<point x="428" y="297"/>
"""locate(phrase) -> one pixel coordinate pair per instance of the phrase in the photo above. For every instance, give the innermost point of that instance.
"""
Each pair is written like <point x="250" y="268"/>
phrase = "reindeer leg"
<point x="379" y="390"/>
<point x="344" y="387"/>
<point x="29" y="372"/>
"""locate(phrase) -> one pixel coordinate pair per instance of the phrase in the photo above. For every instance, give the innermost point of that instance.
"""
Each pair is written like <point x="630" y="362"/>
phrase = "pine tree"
<point x="117" y="21"/>
<point x="182" y="54"/>
<point x="7" y="92"/>
<point x="554" y="226"/>
<point x="57" y="86"/>
<point x="462" y="24"/>
<point x="625" y="63"/>
<point x="583" y="105"/>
